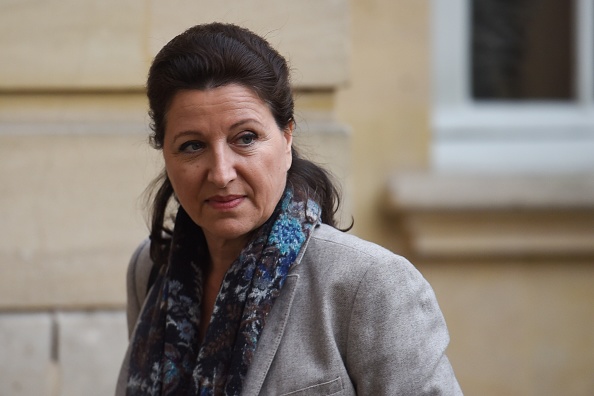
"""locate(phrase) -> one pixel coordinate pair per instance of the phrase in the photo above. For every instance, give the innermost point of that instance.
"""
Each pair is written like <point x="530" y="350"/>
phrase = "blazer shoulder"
<point x="137" y="277"/>
<point x="340" y="244"/>
<point x="344" y="258"/>
<point x="391" y="311"/>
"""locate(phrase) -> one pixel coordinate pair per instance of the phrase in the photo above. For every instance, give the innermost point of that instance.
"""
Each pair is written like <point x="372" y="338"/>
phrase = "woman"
<point x="256" y="292"/>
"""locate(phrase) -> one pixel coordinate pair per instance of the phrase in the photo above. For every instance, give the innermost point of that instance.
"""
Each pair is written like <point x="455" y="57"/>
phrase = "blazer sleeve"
<point x="137" y="278"/>
<point x="397" y="335"/>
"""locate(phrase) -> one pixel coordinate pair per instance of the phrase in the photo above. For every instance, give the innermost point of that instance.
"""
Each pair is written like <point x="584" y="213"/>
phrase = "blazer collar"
<point x="270" y="338"/>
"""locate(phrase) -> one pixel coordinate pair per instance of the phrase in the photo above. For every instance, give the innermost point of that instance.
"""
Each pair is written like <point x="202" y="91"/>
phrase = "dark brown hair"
<point x="213" y="55"/>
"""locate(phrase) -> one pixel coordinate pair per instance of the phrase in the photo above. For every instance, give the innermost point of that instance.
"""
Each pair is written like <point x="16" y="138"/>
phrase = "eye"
<point x="190" y="147"/>
<point x="247" y="139"/>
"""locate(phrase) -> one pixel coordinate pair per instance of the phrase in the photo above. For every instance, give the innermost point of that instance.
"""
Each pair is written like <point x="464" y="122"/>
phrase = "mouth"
<point x="225" y="202"/>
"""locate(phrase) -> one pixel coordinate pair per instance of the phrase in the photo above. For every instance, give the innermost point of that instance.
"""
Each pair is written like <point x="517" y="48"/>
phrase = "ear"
<point x="288" y="135"/>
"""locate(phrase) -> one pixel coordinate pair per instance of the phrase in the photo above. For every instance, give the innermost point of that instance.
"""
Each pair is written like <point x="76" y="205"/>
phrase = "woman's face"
<point x="226" y="158"/>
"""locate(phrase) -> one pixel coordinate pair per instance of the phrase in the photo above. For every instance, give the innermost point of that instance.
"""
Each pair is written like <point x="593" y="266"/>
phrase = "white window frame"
<point x="507" y="137"/>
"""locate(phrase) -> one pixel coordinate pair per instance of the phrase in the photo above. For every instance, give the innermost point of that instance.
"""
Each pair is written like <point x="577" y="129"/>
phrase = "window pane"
<point x="522" y="49"/>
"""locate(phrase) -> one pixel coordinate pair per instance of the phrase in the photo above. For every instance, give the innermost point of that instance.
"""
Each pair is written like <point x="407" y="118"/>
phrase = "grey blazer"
<point x="351" y="319"/>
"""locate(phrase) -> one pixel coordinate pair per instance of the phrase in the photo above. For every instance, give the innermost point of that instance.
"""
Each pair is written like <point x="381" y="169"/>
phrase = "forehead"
<point x="232" y="100"/>
<point x="219" y="108"/>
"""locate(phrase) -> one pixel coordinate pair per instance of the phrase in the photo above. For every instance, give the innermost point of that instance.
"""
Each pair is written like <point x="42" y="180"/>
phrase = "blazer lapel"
<point x="270" y="338"/>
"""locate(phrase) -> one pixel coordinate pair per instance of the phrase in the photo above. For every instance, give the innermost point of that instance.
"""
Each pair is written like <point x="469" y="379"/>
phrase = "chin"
<point x="230" y="230"/>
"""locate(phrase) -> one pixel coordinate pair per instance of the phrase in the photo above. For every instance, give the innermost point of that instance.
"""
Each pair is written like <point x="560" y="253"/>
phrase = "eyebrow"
<point x="197" y="133"/>
<point x="187" y="133"/>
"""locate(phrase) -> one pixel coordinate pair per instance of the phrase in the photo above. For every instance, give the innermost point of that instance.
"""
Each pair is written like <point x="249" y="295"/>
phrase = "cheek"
<point x="283" y="157"/>
<point x="280" y="175"/>
<point x="182" y="178"/>
<point x="280" y="165"/>
<point x="288" y="161"/>
<point x="172" y="171"/>
<point x="271" y="178"/>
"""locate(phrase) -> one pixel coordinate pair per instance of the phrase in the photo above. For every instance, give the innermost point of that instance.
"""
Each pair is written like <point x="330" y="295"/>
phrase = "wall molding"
<point x="456" y="215"/>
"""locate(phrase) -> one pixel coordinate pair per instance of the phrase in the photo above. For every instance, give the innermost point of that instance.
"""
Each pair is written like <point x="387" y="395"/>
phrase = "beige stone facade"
<point x="511" y="257"/>
<point x="515" y="281"/>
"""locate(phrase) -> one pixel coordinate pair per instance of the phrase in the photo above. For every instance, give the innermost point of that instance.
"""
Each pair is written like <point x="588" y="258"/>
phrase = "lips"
<point x="225" y="202"/>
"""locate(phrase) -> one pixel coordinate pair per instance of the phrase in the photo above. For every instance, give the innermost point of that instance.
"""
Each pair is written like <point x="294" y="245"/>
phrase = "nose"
<point x="222" y="168"/>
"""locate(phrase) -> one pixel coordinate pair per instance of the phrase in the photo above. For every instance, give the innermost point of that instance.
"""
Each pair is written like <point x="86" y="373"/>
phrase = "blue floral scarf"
<point x="166" y="355"/>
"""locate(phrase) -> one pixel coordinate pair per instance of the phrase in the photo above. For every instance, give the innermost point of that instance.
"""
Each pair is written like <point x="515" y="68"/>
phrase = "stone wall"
<point x="511" y="258"/>
<point x="75" y="160"/>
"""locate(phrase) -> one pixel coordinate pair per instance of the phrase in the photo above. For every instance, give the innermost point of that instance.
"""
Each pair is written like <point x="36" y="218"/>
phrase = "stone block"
<point x="312" y="34"/>
<point x="327" y="143"/>
<point x="71" y="210"/>
<point x="91" y="348"/>
<point x="530" y="324"/>
<point x="25" y="347"/>
<point x="72" y="44"/>
<point x="104" y="113"/>
<point x="108" y="44"/>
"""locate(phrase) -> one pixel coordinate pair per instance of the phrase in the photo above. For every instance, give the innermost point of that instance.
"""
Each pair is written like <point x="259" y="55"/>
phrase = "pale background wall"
<point x="74" y="162"/>
<point x="511" y="258"/>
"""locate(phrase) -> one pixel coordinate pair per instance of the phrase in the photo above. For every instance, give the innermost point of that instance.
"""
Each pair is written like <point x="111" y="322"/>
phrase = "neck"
<point x="223" y="253"/>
